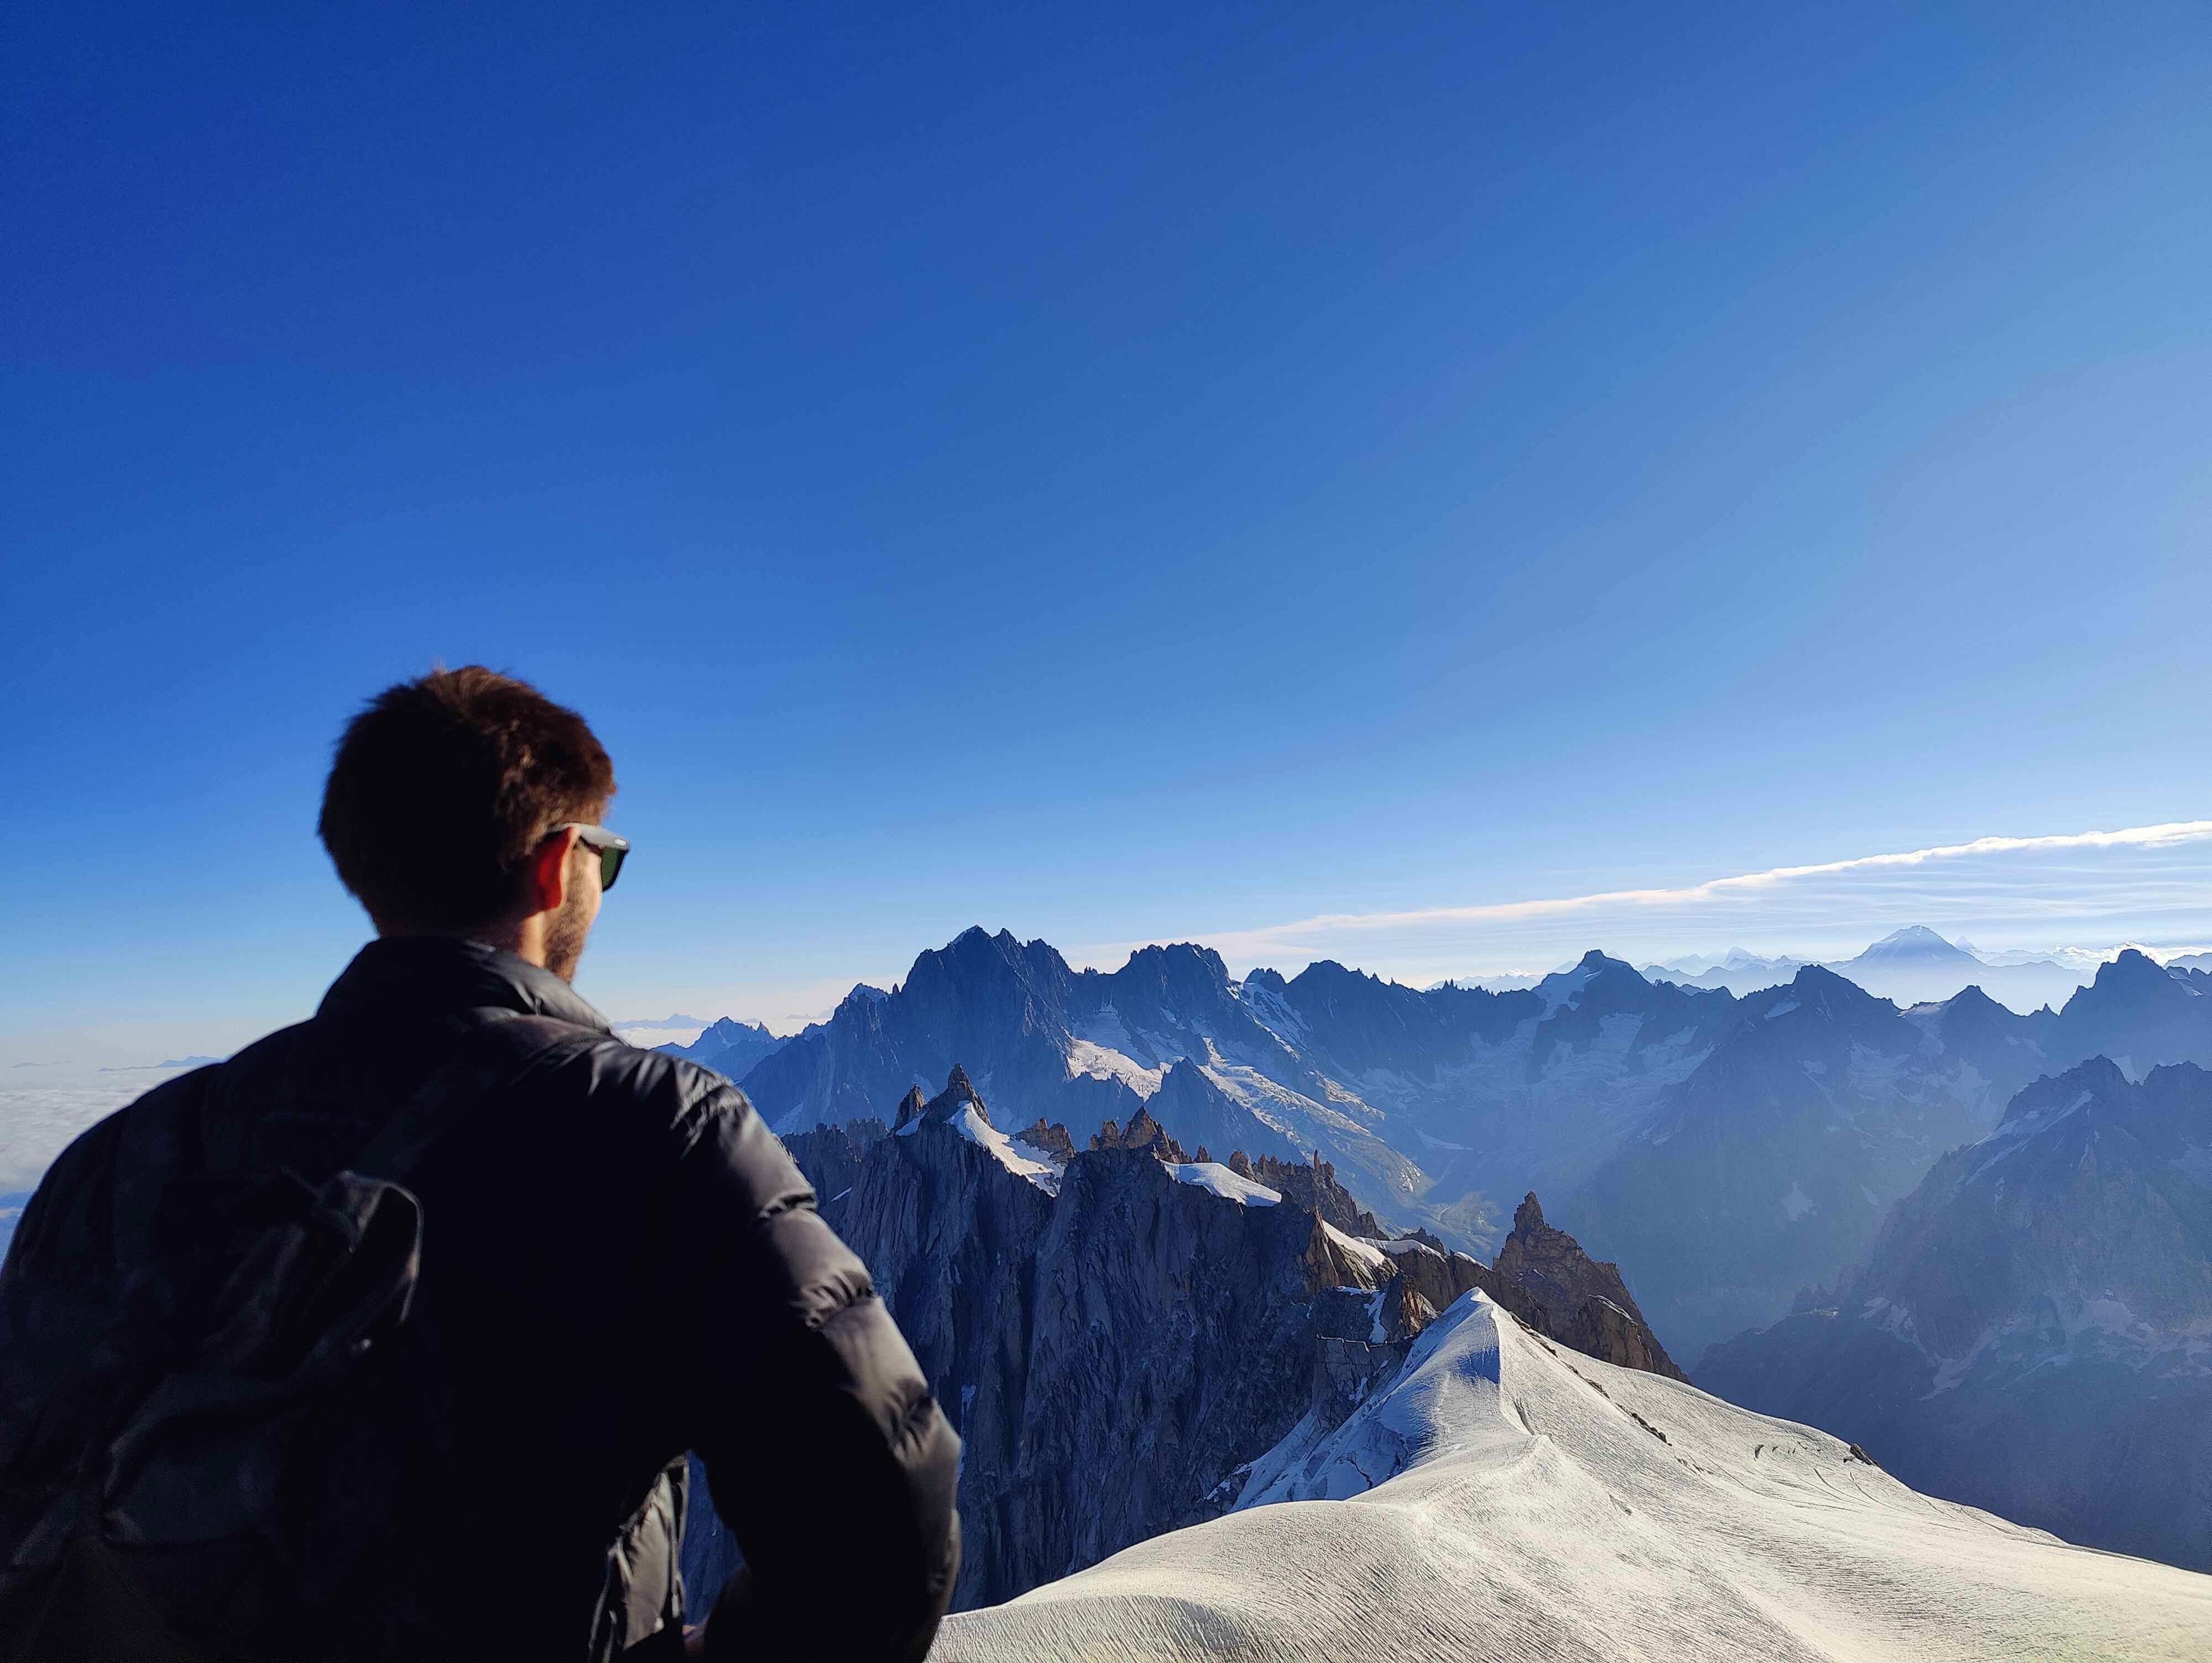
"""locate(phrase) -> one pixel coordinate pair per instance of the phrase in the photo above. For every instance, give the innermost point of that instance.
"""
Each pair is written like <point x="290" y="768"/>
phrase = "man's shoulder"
<point x="165" y="1104"/>
<point x="80" y="1181"/>
<point x="644" y="1112"/>
<point x="677" y="1092"/>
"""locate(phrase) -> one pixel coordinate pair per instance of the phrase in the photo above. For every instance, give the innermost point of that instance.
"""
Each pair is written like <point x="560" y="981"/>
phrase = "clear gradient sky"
<point x="1119" y="473"/>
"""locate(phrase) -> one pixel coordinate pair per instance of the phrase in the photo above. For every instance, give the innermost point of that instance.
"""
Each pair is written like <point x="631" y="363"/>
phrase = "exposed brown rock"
<point x="1330" y="1264"/>
<point x="1542" y="1275"/>
<point x="1433" y="1270"/>
<point x="1405" y="1310"/>
<point x="1296" y="1181"/>
<point x="909" y="1107"/>
<point x="1144" y="1133"/>
<point x="1052" y="1139"/>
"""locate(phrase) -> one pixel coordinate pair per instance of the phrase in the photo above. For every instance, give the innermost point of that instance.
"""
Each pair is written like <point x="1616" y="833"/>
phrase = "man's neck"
<point x="524" y="938"/>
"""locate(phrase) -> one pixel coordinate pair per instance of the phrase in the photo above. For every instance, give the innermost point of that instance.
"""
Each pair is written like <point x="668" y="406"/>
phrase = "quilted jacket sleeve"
<point x="825" y="1453"/>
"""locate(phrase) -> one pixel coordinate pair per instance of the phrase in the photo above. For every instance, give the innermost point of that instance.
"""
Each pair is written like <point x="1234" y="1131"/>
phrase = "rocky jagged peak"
<point x="959" y="1093"/>
<point x="1330" y="1261"/>
<point x="831" y="1156"/>
<point x="976" y="944"/>
<point x="1167" y="963"/>
<point x="1202" y="1155"/>
<point x="2097" y="1080"/>
<point x="1144" y="1133"/>
<point x="1165" y="987"/>
<point x="1316" y="1190"/>
<point x="1537" y="1247"/>
<point x="1240" y="1164"/>
<point x="1544" y="1277"/>
<point x="1818" y="985"/>
<point x="910" y="1107"/>
<point x="1052" y="1140"/>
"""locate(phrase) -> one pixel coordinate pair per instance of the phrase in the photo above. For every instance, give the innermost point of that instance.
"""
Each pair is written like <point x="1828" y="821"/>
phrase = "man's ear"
<point x="547" y="879"/>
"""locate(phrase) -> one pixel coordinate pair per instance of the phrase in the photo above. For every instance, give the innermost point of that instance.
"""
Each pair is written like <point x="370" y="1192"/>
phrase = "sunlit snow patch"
<point x="1105" y="1063"/>
<point x="1213" y="1175"/>
<point x="1019" y="1158"/>
<point x="1365" y="1253"/>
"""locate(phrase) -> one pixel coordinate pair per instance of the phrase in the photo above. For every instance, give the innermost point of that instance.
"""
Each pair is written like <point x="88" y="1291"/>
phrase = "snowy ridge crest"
<point x="1499" y="1497"/>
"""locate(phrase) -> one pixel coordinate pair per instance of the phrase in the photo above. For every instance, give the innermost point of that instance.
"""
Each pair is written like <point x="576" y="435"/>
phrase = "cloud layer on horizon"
<point x="2148" y="883"/>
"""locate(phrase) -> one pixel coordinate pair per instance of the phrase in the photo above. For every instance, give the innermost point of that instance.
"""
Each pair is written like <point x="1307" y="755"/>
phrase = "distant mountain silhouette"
<point x="2031" y="1330"/>
<point x="729" y="1048"/>
<point x="1912" y="966"/>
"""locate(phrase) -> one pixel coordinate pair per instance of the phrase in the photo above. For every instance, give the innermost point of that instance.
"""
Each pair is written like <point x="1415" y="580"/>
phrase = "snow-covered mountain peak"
<point x="1919" y="937"/>
<point x="1501" y="1497"/>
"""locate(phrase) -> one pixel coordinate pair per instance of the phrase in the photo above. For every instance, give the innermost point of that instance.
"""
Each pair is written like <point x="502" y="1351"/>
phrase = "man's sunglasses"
<point x="613" y="850"/>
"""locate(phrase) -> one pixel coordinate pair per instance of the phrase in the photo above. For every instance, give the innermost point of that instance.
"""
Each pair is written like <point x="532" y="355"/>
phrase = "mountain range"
<point x="2032" y="1329"/>
<point x="1911" y="966"/>
<point x="729" y="1047"/>
<point x="1728" y="1150"/>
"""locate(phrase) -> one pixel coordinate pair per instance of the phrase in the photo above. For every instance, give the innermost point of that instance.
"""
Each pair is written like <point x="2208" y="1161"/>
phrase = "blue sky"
<point x="1132" y="474"/>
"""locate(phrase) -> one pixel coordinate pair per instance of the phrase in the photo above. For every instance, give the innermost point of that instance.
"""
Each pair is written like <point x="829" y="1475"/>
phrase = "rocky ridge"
<point x="729" y="1048"/>
<point x="1116" y="1332"/>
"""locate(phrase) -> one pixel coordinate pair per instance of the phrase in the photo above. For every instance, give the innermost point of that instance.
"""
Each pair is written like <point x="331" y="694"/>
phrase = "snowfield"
<point x="1502" y="1499"/>
<point x="1213" y="1175"/>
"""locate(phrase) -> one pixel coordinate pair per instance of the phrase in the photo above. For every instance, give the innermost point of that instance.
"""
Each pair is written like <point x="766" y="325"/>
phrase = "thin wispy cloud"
<point x="1949" y="881"/>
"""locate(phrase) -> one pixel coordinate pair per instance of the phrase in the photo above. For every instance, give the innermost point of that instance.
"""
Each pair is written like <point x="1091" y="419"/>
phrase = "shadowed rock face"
<point x="1108" y="1354"/>
<point x="1316" y="1188"/>
<point x="2032" y="1331"/>
<point x="1115" y="1355"/>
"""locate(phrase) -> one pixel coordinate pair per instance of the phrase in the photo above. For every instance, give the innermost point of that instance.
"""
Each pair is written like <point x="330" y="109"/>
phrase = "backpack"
<point x="206" y="1459"/>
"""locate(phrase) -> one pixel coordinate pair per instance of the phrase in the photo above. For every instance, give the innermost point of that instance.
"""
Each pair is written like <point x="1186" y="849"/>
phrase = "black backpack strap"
<point x="498" y="1053"/>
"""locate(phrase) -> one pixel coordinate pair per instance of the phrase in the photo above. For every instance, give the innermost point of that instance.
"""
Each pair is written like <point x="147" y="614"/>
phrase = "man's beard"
<point x="564" y="937"/>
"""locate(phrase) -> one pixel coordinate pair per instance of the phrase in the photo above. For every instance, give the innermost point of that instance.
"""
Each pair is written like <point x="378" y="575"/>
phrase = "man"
<point x="618" y="1261"/>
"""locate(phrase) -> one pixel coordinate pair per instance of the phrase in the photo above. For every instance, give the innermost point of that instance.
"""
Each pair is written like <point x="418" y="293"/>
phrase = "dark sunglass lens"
<point x="611" y="864"/>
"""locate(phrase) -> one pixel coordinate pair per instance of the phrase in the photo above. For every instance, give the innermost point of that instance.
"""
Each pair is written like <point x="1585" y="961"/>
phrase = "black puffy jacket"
<point x="621" y="1264"/>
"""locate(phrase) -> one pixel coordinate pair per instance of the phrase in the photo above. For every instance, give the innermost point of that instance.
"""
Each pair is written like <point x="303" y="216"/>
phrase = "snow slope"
<point x="1011" y="1153"/>
<point x="1213" y="1175"/>
<point x="1508" y="1501"/>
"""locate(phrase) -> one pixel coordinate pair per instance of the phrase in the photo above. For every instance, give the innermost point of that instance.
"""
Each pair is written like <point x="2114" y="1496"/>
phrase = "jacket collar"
<point x="434" y="975"/>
